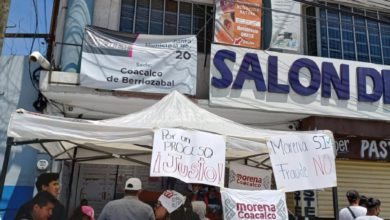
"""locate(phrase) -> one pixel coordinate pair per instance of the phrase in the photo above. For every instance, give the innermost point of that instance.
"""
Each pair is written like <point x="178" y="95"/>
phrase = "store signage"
<point x="248" y="178"/>
<point x="305" y="203"/>
<point x="191" y="156"/>
<point x="256" y="79"/>
<point x="261" y="204"/>
<point x="286" y="27"/>
<point x="238" y="23"/>
<point x="363" y="149"/>
<point x="302" y="162"/>
<point x="138" y="62"/>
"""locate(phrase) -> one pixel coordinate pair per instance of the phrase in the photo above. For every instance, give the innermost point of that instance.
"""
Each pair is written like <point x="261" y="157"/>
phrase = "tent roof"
<point x="128" y="139"/>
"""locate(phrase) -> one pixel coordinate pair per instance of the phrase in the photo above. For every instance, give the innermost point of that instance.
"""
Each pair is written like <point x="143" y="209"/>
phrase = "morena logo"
<point x="321" y="77"/>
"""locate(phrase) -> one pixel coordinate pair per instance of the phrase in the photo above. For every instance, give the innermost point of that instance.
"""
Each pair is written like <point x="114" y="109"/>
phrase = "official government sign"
<point x="137" y="62"/>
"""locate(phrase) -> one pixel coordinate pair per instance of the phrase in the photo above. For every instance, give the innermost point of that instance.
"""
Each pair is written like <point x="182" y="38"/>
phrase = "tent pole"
<point x="3" y="174"/>
<point x="71" y="181"/>
<point x="335" y="203"/>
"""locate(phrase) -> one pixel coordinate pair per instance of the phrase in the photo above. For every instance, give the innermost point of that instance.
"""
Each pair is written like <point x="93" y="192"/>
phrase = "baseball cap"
<point x="352" y="195"/>
<point x="88" y="211"/>
<point x="133" y="184"/>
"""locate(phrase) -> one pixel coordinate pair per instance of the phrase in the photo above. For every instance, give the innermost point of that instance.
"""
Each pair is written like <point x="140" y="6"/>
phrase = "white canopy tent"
<point x="129" y="139"/>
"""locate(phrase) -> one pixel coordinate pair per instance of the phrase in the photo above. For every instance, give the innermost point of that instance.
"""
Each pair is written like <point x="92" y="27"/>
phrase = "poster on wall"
<point x="138" y="62"/>
<point x="243" y="204"/>
<point x="191" y="156"/>
<point x="238" y="23"/>
<point x="286" y="25"/>
<point x="248" y="178"/>
<point x="303" y="162"/>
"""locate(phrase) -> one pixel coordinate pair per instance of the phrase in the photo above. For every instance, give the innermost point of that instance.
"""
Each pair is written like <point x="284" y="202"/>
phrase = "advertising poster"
<point x="303" y="162"/>
<point x="137" y="62"/>
<point x="248" y="178"/>
<point x="286" y="24"/>
<point x="262" y="204"/>
<point x="238" y="23"/>
<point x="191" y="156"/>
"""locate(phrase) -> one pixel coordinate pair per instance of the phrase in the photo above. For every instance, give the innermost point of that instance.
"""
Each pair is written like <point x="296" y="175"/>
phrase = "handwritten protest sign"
<point x="248" y="178"/>
<point x="261" y="204"/>
<point x="191" y="156"/>
<point x="303" y="162"/>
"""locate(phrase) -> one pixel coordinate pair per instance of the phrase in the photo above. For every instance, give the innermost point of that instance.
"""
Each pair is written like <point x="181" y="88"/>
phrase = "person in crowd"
<point x="130" y="207"/>
<point x="182" y="212"/>
<point x="353" y="210"/>
<point x="363" y="201"/>
<point x="373" y="210"/>
<point x="40" y="207"/>
<point x="199" y="193"/>
<point x="83" y="212"/>
<point x="200" y="209"/>
<point x="47" y="182"/>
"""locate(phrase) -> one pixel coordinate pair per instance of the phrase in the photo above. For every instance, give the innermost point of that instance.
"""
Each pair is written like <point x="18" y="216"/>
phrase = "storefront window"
<point x="168" y="17"/>
<point x="350" y="34"/>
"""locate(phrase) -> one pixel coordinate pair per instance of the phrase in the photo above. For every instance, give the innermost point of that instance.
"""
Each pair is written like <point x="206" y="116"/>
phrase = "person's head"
<point x="373" y="206"/>
<point x="363" y="201"/>
<point x="83" y="213"/>
<point x="43" y="204"/>
<point x="160" y="212"/>
<point x="49" y="182"/>
<point x="133" y="187"/>
<point x="353" y="197"/>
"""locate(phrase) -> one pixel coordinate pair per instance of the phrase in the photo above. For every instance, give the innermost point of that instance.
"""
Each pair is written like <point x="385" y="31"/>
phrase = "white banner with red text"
<point x="262" y="204"/>
<point x="303" y="162"/>
<point x="191" y="156"/>
<point x="248" y="178"/>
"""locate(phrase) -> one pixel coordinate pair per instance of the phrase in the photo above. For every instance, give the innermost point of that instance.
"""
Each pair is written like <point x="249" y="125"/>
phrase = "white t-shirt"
<point x="368" y="217"/>
<point x="345" y="214"/>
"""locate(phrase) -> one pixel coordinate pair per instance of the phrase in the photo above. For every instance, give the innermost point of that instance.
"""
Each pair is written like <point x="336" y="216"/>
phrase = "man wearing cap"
<point x="353" y="210"/>
<point x="130" y="207"/>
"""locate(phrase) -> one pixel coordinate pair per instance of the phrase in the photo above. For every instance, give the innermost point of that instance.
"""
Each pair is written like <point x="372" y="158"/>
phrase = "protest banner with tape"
<point x="303" y="162"/>
<point x="190" y="156"/>
<point x="248" y="178"/>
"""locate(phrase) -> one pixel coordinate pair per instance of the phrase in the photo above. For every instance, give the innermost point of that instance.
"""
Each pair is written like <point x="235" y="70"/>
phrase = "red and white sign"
<point x="248" y="178"/>
<point x="171" y="200"/>
<point x="243" y="204"/>
<point x="191" y="156"/>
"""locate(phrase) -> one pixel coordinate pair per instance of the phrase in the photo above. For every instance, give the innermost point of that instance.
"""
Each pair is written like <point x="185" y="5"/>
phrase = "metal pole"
<point x="71" y="181"/>
<point x="3" y="174"/>
<point x="335" y="203"/>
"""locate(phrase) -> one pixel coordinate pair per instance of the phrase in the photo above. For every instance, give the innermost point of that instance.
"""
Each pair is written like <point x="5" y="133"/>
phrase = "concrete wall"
<point x="16" y="91"/>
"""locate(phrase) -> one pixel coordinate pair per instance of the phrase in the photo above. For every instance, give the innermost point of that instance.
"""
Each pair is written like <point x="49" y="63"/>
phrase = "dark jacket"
<point x="24" y="212"/>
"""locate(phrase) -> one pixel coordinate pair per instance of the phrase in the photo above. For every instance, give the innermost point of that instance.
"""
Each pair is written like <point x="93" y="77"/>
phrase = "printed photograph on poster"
<point x="191" y="156"/>
<point x="286" y="25"/>
<point x="303" y="162"/>
<point x="248" y="178"/>
<point x="261" y="204"/>
<point x="238" y="23"/>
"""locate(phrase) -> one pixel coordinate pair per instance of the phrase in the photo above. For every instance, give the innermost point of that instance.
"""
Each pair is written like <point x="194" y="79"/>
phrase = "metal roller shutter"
<point x="371" y="179"/>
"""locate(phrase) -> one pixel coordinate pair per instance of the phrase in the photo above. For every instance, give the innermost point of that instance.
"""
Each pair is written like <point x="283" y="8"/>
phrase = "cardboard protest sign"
<point x="248" y="178"/>
<point x="303" y="162"/>
<point x="191" y="156"/>
<point x="243" y="204"/>
<point x="171" y="200"/>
